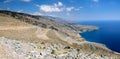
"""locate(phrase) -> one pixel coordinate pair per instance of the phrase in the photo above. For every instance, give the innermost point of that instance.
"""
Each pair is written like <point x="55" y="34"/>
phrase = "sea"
<point x="108" y="33"/>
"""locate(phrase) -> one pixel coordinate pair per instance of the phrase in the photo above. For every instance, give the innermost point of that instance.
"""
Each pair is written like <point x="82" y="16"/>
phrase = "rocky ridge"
<point x="43" y="50"/>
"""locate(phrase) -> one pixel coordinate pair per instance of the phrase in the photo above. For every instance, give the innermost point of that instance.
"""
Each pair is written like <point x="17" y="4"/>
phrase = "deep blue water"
<point x="108" y="34"/>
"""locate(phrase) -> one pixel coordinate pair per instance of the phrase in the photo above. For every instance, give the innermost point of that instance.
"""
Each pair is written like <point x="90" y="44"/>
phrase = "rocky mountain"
<point x="25" y="36"/>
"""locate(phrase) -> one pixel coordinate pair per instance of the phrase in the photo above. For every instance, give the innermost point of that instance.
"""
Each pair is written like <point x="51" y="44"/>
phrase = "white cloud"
<point x="51" y="8"/>
<point x="60" y="4"/>
<point x="77" y="9"/>
<point x="95" y="0"/>
<point x="26" y="0"/>
<point x="37" y="13"/>
<point x="69" y="8"/>
<point x="56" y="7"/>
<point x="7" y="1"/>
<point x="20" y="11"/>
<point x="48" y="8"/>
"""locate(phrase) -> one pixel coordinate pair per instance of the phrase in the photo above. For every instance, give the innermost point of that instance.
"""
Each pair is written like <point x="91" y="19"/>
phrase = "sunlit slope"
<point x="15" y="29"/>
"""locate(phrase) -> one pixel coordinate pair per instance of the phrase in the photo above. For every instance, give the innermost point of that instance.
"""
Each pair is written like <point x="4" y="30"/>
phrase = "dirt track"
<point x="15" y="27"/>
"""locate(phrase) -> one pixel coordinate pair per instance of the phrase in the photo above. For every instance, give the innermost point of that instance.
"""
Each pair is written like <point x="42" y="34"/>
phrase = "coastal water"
<point x="108" y="34"/>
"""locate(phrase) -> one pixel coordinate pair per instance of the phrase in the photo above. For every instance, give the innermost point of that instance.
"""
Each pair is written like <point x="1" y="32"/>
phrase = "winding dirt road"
<point x="15" y="27"/>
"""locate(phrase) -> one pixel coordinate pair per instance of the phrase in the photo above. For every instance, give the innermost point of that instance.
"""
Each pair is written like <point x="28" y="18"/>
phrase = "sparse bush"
<point x="67" y="47"/>
<point x="52" y="27"/>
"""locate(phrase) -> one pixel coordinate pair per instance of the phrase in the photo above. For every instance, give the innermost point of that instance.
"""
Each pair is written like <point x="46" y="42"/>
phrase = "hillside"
<point x="24" y="36"/>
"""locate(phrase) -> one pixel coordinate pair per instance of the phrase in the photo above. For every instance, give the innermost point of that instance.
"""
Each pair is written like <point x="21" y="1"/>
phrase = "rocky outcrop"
<point x="13" y="49"/>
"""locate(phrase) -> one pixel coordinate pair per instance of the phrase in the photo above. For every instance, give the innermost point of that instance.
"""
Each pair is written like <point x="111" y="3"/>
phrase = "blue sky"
<point x="72" y="10"/>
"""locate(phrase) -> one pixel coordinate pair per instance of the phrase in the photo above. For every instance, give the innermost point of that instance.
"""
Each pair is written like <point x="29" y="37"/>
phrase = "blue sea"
<point x="108" y="34"/>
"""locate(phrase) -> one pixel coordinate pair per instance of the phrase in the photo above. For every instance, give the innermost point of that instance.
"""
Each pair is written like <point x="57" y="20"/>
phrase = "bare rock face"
<point x="24" y="36"/>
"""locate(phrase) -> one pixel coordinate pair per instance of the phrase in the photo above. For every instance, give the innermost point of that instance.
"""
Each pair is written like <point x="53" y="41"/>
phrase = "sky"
<point x="71" y="10"/>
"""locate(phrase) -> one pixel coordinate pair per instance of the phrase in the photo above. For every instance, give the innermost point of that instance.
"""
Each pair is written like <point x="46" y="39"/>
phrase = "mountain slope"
<point x="38" y="37"/>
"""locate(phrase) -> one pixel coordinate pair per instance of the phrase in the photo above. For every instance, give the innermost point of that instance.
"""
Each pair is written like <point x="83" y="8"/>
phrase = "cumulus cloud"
<point x="60" y="4"/>
<point x="69" y="8"/>
<point x="77" y="9"/>
<point x="20" y="11"/>
<point x="47" y="8"/>
<point x="51" y="8"/>
<point x="56" y="7"/>
<point x="26" y="0"/>
<point x="37" y="13"/>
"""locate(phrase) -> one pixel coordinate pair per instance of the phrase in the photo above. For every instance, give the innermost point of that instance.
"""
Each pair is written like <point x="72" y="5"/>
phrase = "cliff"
<point x="24" y="36"/>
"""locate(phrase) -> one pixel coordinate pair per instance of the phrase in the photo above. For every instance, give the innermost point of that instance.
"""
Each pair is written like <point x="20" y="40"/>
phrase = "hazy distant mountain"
<point x="24" y="36"/>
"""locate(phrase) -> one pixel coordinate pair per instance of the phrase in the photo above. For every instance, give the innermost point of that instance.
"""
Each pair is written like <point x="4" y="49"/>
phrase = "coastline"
<point x="95" y="28"/>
